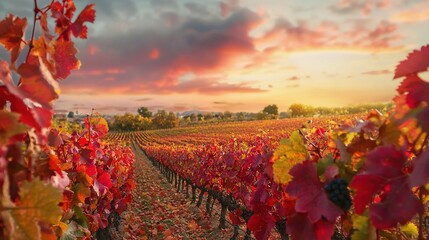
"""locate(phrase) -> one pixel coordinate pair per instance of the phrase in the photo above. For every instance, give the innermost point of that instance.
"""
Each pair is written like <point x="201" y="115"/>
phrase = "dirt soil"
<point x="158" y="211"/>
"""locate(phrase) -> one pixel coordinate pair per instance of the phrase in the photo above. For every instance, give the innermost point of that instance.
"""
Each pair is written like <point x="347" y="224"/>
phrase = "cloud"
<point x="197" y="9"/>
<point x="114" y="109"/>
<point x="292" y="86"/>
<point x="153" y="59"/>
<point x="303" y="36"/>
<point x="364" y="7"/>
<point x="293" y="78"/>
<point x="143" y="99"/>
<point x="227" y="7"/>
<point x="418" y="13"/>
<point x="378" y="72"/>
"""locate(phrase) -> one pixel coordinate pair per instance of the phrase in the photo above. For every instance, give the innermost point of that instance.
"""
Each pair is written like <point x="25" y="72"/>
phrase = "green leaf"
<point x="74" y="231"/>
<point x="410" y="230"/>
<point x="362" y="228"/>
<point x="323" y="163"/>
<point x="80" y="217"/>
<point x="390" y="133"/>
<point x="38" y="204"/>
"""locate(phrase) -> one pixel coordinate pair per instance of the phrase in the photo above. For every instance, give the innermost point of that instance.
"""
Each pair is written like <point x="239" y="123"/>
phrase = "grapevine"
<point x="53" y="184"/>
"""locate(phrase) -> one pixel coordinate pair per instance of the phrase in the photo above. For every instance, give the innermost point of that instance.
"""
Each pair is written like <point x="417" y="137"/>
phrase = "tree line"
<point x="147" y="120"/>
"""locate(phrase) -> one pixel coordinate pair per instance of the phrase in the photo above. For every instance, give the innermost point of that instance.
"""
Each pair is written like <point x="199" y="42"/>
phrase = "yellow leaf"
<point x="291" y="151"/>
<point x="38" y="204"/>
<point x="410" y="230"/>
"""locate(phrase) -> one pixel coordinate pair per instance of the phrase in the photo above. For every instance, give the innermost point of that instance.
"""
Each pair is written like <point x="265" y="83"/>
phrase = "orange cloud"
<point x="417" y="14"/>
<point x="378" y="72"/>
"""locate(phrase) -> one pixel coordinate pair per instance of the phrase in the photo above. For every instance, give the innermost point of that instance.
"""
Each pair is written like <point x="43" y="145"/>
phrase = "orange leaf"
<point x="37" y="76"/>
<point x="12" y="30"/>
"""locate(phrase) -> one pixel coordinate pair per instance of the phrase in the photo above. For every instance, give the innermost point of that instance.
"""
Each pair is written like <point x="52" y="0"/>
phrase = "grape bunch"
<point x="339" y="193"/>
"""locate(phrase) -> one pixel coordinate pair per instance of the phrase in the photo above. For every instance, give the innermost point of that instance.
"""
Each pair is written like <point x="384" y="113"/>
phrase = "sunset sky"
<point x="209" y="55"/>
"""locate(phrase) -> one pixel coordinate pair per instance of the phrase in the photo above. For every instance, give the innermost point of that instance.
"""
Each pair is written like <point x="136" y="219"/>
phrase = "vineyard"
<point x="311" y="178"/>
<point x="344" y="177"/>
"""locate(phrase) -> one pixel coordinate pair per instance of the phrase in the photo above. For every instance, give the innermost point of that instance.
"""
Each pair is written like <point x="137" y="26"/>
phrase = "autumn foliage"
<point x="53" y="184"/>
<point x="268" y="186"/>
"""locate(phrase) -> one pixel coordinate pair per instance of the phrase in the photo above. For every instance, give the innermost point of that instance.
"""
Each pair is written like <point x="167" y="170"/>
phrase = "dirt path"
<point x="159" y="212"/>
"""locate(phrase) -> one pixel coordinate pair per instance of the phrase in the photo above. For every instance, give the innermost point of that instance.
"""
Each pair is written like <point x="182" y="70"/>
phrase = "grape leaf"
<point x="362" y="228"/>
<point x="37" y="76"/>
<point x="410" y="230"/>
<point x="65" y="59"/>
<point x="415" y="89"/>
<point x="5" y="72"/>
<point x="422" y="118"/>
<point x="63" y="14"/>
<point x="420" y="176"/>
<point x="299" y="227"/>
<point x="12" y="31"/>
<point x="80" y="193"/>
<point x="290" y="152"/>
<point x="311" y="197"/>
<point x="87" y="15"/>
<point x="102" y="184"/>
<point x="10" y="126"/>
<point x="261" y="225"/>
<point x="417" y="61"/>
<point x="382" y="172"/>
<point x="38" y="204"/>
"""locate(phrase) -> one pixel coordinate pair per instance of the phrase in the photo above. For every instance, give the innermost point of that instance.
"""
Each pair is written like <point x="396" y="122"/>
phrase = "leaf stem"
<point x="317" y="149"/>
<point x="420" y="216"/>
<point x="30" y="45"/>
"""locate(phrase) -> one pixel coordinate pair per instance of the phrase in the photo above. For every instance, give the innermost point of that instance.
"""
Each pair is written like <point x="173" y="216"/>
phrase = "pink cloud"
<point x="163" y="55"/>
<point x="328" y="35"/>
<point x="364" y="7"/>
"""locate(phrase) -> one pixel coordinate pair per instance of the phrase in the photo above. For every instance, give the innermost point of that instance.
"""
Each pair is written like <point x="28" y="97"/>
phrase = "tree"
<point x="162" y="119"/>
<point x="227" y="115"/>
<point x="70" y="115"/>
<point x="144" y="112"/>
<point x="130" y="122"/>
<point x="271" y="109"/>
<point x="301" y="110"/>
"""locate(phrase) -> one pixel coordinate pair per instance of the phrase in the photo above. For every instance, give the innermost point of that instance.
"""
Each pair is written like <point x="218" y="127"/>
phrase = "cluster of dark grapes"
<point x="339" y="193"/>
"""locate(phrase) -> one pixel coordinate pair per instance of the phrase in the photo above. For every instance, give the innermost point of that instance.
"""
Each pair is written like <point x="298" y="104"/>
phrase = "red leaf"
<point x="261" y="225"/>
<point x="63" y="14"/>
<point x="311" y="197"/>
<point x="420" y="176"/>
<point x="330" y="172"/>
<point x="65" y="59"/>
<point x="234" y="216"/>
<point x="299" y="227"/>
<point x="417" y="61"/>
<point x="54" y="138"/>
<point x="416" y="90"/>
<point x="382" y="173"/>
<point x="87" y="15"/>
<point x="12" y="31"/>
<point x="102" y="184"/>
<point x="37" y="76"/>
